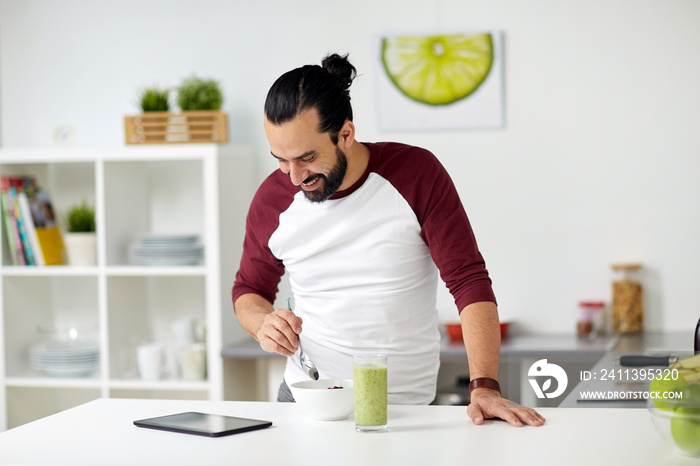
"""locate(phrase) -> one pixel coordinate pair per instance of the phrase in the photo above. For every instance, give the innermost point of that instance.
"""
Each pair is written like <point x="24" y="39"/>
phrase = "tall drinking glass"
<point x="369" y="373"/>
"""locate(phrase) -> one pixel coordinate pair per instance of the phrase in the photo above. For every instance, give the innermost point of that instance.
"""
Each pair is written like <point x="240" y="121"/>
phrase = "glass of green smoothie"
<point x="370" y="386"/>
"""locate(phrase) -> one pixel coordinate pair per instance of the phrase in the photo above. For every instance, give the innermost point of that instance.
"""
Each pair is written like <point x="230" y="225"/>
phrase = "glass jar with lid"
<point x="627" y="299"/>
<point x="591" y="320"/>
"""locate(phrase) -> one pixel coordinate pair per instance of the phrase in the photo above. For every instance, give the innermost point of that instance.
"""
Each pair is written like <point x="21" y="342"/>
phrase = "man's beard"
<point x="332" y="182"/>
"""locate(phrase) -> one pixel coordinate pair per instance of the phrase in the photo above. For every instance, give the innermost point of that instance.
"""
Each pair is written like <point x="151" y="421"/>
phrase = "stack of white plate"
<point x="166" y="249"/>
<point x="76" y="358"/>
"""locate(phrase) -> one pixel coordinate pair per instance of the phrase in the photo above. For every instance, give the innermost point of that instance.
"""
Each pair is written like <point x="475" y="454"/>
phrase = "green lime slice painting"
<point x="440" y="81"/>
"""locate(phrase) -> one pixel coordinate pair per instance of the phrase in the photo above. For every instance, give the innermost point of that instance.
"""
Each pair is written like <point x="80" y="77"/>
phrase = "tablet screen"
<point x="211" y="425"/>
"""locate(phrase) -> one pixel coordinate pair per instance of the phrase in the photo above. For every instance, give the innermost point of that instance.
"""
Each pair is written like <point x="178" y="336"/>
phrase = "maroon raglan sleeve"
<point x="260" y="271"/>
<point x="425" y="184"/>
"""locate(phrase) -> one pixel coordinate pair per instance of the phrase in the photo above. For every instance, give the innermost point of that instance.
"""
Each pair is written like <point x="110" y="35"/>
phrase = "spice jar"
<point x="590" y="322"/>
<point x="627" y="299"/>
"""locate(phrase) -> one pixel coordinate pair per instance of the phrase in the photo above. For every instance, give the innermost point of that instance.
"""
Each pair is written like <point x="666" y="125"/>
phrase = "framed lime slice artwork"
<point x="439" y="81"/>
<point x="437" y="69"/>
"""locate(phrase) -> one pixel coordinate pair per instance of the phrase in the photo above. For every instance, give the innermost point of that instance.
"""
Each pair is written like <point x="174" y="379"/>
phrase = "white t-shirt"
<point x="362" y="266"/>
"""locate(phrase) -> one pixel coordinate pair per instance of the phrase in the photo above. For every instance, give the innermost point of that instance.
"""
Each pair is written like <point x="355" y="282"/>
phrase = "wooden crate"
<point x="164" y="127"/>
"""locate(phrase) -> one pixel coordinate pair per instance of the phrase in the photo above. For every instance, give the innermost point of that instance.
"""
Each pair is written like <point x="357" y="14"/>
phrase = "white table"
<point x="101" y="433"/>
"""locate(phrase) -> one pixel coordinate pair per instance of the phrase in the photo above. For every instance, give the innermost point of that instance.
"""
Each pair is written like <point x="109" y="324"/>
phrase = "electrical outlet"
<point x="64" y="136"/>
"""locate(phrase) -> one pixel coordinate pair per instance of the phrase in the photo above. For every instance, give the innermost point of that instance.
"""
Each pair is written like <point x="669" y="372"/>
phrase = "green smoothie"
<point x="370" y="388"/>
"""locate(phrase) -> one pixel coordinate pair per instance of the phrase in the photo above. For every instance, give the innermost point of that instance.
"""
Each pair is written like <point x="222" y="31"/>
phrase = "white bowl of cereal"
<point x="325" y="399"/>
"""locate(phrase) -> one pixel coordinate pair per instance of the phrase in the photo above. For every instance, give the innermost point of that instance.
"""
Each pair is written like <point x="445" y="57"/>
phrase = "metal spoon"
<point x="305" y="360"/>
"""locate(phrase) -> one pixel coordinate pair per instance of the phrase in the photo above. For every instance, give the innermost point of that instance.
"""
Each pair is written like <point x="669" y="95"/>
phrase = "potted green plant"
<point x="199" y="94"/>
<point x="200" y="120"/>
<point x="155" y="99"/>
<point x="80" y="237"/>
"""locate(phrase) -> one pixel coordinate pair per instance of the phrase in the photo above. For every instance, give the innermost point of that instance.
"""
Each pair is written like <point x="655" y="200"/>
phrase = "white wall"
<point x="599" y="160"/>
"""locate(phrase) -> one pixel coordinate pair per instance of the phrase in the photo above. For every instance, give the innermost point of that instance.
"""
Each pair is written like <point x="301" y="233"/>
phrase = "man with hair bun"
<point x="362" y="229"/>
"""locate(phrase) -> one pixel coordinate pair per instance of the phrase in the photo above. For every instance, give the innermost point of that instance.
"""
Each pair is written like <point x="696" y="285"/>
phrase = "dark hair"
<point x="325" y="88"/>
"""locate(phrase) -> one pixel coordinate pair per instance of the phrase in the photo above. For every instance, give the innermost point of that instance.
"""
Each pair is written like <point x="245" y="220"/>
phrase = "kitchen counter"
<point x="518" y="353"/>
<point x="247" y="349"/>
<point x="535" y="346"/>
<point x="607" y="378"/>
<point x="101" y="432"/>
<point x="600" y="382"/>
<point x="511" y="346"/>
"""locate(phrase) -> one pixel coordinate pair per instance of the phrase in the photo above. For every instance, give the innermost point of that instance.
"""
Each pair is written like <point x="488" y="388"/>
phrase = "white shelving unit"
<point x="135" y="189"/>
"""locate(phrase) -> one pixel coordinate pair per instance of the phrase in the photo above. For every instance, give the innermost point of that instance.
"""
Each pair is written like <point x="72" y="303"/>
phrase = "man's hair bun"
<point x="341" y="69"/>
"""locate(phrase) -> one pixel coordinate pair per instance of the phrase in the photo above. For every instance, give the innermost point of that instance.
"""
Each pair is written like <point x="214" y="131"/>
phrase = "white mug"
<point x="150" y="360"/>
<point x="183" y="331"/>
<point x="193" y="361"/>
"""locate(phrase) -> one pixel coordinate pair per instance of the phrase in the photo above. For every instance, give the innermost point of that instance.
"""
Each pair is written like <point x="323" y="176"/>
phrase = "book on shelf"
<point x="22" y="227"/>
<point x="47" y="231"/>
<point x="11" y="233"/>
<point x="33" y="237"/>
<point x="8" y="186"/>
<point x="26" y="213"/>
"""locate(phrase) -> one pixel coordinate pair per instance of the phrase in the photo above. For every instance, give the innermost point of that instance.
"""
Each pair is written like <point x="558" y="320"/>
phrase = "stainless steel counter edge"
<point x="247" y="349"/>
<point x="511" y="346"/>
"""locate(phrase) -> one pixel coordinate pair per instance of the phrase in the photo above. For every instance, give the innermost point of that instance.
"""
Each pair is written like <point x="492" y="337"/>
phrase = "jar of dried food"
<point x="627" y="299"/>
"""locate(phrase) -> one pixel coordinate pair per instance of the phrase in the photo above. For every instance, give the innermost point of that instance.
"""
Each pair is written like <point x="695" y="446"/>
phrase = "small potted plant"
<point x="155" y="99"/>
<point x="200" y="101"/>
<point x="199" y="94"/>
<point x="80" y="238"/>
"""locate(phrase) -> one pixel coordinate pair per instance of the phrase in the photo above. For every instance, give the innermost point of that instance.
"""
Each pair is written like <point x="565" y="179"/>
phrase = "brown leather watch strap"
<point x="484" y="382"/>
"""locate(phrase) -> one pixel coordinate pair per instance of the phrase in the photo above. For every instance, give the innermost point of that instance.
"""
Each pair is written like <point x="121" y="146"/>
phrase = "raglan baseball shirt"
<point x="363" y="266"/>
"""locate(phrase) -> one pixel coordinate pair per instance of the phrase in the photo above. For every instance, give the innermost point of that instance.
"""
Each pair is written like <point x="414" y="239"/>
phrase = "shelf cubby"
<point x="165" y="189"/>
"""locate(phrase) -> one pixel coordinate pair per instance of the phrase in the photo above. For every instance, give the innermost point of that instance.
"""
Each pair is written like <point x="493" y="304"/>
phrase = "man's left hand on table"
<point x="488" y="404"/>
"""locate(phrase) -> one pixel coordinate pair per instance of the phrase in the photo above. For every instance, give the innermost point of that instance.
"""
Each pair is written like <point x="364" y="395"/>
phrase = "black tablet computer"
<point x="208" y="425"/>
